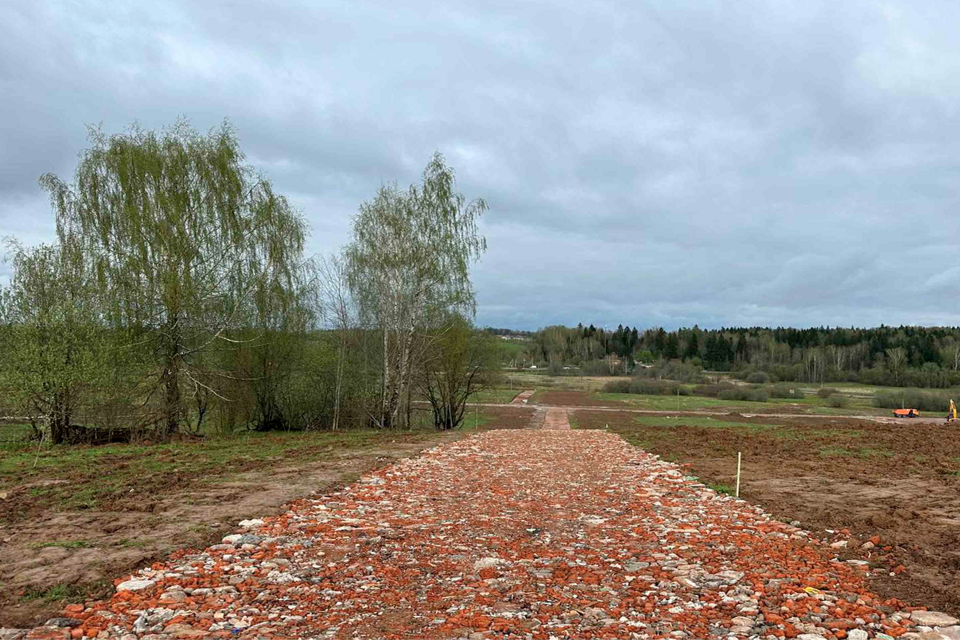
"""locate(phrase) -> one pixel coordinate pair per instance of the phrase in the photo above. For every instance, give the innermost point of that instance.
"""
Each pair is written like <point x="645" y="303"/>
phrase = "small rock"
<point x="857" y="634"/>
<point x="488" y="563"/>
<point x="135" y="585"/>
<point x="248" y="524"/>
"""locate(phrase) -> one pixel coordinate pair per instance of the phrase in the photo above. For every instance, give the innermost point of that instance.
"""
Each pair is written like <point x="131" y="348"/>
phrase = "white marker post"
<point x="738" y="474"/>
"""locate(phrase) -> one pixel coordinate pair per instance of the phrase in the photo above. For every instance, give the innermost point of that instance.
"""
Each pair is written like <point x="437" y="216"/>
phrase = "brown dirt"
<point x="896" y="481"/>
<point x="183" y="513"/>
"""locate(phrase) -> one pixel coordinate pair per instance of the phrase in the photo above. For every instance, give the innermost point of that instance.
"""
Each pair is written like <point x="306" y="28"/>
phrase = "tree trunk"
<point x="387" y="402"/>
<point x="170" y="379"/>
<point x="60" y="418"/>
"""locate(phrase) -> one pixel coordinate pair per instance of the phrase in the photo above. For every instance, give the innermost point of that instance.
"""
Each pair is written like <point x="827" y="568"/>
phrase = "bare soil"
<point x="52" y="555"/>
<point x="899" y="481"/>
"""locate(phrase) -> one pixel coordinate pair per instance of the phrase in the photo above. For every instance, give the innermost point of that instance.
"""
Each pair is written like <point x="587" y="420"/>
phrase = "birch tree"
<point x="187" y="242"/>
<point x="337" y="310"/>
<point x="409" y="265"/>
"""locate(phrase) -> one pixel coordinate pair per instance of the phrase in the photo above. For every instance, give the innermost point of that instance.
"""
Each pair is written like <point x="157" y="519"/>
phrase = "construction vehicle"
<point x="952" y="412"/>
<point x="906" y="413"/>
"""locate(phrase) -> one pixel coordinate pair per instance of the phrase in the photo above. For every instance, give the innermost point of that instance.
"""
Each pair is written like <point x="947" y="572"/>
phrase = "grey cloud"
<point x="646" y="163"/>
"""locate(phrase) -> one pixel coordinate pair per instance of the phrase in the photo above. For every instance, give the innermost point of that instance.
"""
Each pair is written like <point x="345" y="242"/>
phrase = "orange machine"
<point x="906" y="413"/>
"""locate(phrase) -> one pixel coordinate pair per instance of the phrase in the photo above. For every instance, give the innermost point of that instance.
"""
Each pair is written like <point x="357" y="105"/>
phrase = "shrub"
<point x="784" y="390"/>
<point x="680" y="372"/>
<point x="838" y="400"/>
<point x="935" y="401"/>
<point x="712" y="390"/>
<point x="750" y="394"/>
<point x="758" y="377"/>
<point x="617" y="386"/>
<point x="826" y="392"/>
<point x="644" y="386"/>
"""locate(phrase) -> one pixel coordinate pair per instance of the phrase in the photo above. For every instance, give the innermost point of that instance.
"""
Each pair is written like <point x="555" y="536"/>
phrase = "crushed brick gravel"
<point x="539" y="534"/>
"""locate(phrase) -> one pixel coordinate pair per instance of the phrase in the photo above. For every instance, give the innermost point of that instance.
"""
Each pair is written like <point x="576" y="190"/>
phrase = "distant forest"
<point x="895" y="356"/>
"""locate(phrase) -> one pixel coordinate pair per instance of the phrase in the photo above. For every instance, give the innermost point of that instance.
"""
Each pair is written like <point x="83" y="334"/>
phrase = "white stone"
<point x="255" y="522"/>
<point x="933" y="619"/>
<point x="231" y="539"/>
<point x="135" y="585"/>
<point x="488" y="563"/>
<point x="857" y="634"/>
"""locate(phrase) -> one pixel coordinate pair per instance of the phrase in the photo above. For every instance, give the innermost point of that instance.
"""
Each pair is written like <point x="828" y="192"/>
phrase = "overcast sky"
<point x="646" y="163"/>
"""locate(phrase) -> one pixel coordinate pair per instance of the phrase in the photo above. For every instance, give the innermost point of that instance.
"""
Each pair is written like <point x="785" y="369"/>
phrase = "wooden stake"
<point x="738" y="474"/>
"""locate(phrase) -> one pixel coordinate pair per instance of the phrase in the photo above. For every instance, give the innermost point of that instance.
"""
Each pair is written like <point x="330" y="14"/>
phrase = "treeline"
<point x="902" y="356"/>
<point x="178" y="299"/>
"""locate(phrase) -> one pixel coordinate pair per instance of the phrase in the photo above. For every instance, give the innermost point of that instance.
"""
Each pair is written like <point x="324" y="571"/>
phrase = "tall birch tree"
<point x="409" y="265"/>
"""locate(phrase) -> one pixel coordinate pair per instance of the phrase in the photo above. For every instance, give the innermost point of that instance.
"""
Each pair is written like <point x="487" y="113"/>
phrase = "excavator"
<point x="952" y="412"/>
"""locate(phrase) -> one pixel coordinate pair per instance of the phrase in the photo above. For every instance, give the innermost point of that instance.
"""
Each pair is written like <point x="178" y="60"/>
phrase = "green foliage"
<point x="934" y="401"/>
<point x="644" y="386"/>
<point x="826" y="392"/>
<point x="758" y="377"/>
<point x="190" y="248"/>
<point x="408" y="268"/>
<point x="838" y="401"/>
<point x="672" y="370"/>
<point x="784" y="390"/>
<point x="742" y="393"/>
<point x="458" y="363"/>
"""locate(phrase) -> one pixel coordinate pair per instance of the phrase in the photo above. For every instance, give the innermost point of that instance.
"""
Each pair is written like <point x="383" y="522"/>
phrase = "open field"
<point x="896" y="481"/>
<point x="589" y="391"/>
<point x="73" y="517"/>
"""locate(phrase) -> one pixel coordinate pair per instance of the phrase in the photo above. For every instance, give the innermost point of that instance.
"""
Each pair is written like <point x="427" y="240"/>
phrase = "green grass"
<point x="82" y="477"/>
<point x="63" y="544"/>
<point x="56" y="593"/>
<point x="494" y="396"/>
<point x="699" y="421"/>
<point x="861" y="452"/>
<point x="721" y="488"/>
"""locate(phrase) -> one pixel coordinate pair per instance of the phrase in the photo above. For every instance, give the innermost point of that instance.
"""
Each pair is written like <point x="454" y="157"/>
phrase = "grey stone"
<point x="933" y="619"/>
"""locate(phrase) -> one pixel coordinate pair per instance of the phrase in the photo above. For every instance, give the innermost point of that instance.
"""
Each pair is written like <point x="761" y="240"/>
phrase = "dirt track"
<point x="549" y="533"/>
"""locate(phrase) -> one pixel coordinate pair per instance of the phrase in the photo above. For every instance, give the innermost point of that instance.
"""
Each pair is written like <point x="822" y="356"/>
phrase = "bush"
<point x="617" y="386"/>
<point x="758" y="377"/>
<point x="749" y="394"/>
<point x="933" y="401"/>
<point x="826" y="392"/>
<point x="643" y="386"/>
<point x="713" y="390"/>
<point x="680" y="372"/>
<point x="784" y="390"/>
<point x="838" y="400"/>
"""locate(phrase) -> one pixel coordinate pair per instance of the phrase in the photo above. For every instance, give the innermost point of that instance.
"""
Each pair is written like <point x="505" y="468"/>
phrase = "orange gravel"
<point x="537" y="534"/>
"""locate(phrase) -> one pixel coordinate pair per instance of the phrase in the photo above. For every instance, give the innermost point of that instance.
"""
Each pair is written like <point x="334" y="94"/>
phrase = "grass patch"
<point x="721" y="488"/>
<point x="494" y="396"/>
<point x="63" y="544"/>
<point x="699" y="421"/>
<point x="84" y="477"/>
<point x="56" y="593"/>
<point x="861" y="452"/>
